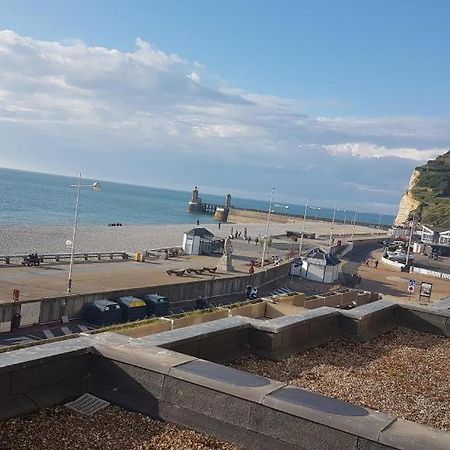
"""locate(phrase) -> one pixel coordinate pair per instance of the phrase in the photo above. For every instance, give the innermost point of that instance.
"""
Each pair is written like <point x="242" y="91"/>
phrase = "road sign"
<point x="425" y="289"/>
<point x="412" y="283"/>
<point x="411" y="289"/>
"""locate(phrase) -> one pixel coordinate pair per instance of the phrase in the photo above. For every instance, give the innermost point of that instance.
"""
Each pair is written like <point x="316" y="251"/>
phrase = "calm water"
<point x="35" y="198"/>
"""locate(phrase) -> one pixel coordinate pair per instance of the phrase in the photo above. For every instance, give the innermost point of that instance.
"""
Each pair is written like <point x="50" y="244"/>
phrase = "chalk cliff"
<point x="428" y="194"/>
<point x="408" y="204"/>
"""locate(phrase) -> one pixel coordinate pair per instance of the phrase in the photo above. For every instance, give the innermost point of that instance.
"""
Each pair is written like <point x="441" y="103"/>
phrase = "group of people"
<point x="251" y="292"/>
<point x="235" y="234"/>
<point x="375" y="264"/>
<point x="114" y="224"/>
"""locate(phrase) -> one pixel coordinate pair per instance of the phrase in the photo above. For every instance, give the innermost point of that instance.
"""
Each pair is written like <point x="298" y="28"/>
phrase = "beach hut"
<point x="320" y="266"/>
<point x="199" y="241"/>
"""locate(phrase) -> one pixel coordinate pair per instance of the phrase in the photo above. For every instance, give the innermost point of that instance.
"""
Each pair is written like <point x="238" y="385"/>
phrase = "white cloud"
<point x="150" y="104"/>
<point x="366" y="150"/>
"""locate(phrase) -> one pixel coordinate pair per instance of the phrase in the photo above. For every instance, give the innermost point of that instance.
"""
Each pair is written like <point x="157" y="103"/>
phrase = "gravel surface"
<point x="15" y="239"/>
<point x="404" y="373"/>
<point x="110" y="429"/>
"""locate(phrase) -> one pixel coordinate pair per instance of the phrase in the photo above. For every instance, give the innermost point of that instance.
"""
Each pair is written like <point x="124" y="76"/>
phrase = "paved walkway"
<point x="50" y="280"/>
<point x="394" y="284"/>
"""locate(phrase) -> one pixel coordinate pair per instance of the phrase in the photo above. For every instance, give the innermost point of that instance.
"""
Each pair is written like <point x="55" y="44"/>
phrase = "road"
<point x="358" y="256"/>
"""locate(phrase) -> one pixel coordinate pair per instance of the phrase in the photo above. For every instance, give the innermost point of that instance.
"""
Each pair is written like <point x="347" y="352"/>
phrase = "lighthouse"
<point x="195" y="204"/>
<point x="221" y="214"/>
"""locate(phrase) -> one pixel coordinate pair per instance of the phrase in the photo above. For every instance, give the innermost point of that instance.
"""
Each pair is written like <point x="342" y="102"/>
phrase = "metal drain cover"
<point x="87" y="404"/>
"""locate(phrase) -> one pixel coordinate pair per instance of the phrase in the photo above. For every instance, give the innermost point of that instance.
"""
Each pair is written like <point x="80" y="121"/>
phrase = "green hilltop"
<point x="432" y="190"/>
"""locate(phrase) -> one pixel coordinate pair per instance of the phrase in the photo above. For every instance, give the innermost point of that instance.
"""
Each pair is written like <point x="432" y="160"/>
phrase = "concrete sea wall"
<point x="52" y="309"/>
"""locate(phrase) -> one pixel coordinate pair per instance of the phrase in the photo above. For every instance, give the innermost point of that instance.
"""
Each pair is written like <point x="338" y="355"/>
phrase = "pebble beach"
<point x="24" y="239"/>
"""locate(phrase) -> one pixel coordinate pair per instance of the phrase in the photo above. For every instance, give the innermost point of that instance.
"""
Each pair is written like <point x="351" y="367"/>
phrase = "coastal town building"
<point x="320" y="266"/>
<point x="437" y="238"/>
<point x="200" y="241"/>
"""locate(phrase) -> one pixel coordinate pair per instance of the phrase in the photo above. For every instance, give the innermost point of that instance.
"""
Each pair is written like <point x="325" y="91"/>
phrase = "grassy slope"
<point x="433" y="191"/>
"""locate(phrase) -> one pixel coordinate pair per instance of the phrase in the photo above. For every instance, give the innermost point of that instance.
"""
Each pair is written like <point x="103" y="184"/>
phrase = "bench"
<point x="196" y="271"/>
<point x="177" y="272"/>
<point x="57" y="257"/>
<point x="209" y="269"/>
<point x="32" y="260"/>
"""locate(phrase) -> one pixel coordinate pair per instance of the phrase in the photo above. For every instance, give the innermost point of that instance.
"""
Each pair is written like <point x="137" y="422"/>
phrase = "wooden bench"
<point x="57" y="257"/>
<point x="196" y="271"/>
<point x="209" y="269"/>
<point x="177" y="272"/>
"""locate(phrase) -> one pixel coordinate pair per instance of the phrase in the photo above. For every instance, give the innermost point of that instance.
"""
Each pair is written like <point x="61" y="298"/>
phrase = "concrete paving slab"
<point x="226" y="379"/>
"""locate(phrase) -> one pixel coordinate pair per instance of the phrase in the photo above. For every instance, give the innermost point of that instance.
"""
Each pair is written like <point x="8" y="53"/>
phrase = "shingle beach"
<point x="18" y="239"/>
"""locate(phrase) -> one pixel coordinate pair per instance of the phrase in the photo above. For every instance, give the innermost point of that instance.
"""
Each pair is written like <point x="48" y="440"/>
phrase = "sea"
<point x="28" y="198"/>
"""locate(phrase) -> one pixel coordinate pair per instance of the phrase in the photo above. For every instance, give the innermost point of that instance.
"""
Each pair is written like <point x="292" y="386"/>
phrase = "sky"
<point x="332" y="101"/>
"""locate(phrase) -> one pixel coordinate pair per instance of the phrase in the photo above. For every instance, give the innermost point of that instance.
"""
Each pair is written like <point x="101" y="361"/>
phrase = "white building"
<point x="437" y="238"/>
<point x="200" y="241"/>
<point x="319" y="266"/>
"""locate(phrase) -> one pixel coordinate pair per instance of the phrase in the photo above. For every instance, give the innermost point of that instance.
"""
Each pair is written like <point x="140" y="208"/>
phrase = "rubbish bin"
<point x="15" y="321"/>
<point x="103" y="312"/>
<point x="132" y="308"/>
<point x="157" y="305"/>
<point x="137" y="256"/>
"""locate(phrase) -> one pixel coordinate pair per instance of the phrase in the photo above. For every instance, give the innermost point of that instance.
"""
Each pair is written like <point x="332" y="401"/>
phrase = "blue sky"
<point x="321" y="96"/>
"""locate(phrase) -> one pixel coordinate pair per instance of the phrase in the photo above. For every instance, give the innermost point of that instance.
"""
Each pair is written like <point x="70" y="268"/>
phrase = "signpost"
<point x="411" y="287"/>
<point x="425" y="290"/>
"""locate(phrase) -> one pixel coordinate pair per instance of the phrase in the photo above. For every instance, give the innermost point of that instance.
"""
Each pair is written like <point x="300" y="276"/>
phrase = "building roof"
<point x="320" y="255"/>
<point x="202" y="232"/>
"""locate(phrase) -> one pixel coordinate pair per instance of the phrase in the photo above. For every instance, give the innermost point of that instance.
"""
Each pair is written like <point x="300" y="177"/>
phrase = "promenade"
<point x="50" y="279"/>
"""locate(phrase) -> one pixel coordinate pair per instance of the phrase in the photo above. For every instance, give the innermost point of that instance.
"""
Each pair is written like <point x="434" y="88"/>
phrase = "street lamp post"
<point x="303" y="229"/>
<point x="411" y="232"/>
<point x="379" y="224"/>
<point x="332" y="227"/>
<point x="96" y="186"/>
<point x="354" y="224"/>
<point x="267" y="228"/>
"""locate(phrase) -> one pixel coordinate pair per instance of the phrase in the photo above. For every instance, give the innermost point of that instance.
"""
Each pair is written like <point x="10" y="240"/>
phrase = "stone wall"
<point x="52" y="309"/>
<point x="162" y="376"/>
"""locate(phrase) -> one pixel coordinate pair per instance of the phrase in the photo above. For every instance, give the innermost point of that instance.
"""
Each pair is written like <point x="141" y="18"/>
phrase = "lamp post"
<point x="411" y="232"/>
<point x="354" y="224"/>
<point x="332" y="227"/>
<point x="267" y="228"/>
<point x="379" y="224"/>
<point x="303" y="229"/>
<point x="345" y="217"/>
<point x="96" y="187"/>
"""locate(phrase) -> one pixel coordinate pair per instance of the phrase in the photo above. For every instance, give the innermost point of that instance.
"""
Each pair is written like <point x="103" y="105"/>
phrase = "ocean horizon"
<point x="28" y="198"/>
